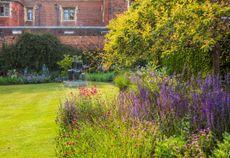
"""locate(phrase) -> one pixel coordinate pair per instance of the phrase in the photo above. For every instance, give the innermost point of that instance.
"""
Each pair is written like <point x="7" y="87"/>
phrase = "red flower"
<point x="88" y="92"/>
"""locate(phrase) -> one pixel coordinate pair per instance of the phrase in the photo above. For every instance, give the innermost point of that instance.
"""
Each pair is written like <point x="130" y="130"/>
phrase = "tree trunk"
<point x="216" y="59"/>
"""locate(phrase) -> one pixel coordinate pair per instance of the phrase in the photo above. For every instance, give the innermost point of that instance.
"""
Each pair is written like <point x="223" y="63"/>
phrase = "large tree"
<point x="153" y="29"/>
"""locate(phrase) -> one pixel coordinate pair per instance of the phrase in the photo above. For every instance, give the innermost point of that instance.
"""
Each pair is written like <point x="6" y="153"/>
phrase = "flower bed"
<point x="160" y="117"/>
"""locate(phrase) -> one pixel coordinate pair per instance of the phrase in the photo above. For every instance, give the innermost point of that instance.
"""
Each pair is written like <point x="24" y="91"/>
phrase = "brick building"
<point x="80" y="23"/>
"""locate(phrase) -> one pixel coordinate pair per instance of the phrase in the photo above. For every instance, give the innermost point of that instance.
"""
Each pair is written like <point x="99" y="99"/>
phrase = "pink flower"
<point x="88" y="92"/>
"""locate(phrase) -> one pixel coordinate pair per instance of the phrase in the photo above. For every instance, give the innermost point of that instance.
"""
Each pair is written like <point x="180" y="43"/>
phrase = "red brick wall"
<point x="49" y="13"/>
<point x="118" y="7"/>
<point x="90" y="13"/>
<point x="84" y="42"/>
<point x="16" y="18"/>
<point x="106" y="12"/>
<point x="8" y="39"/>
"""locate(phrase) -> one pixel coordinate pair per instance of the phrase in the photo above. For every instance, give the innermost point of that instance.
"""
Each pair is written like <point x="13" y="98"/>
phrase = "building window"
<point x="69" y="14"/>
<point x="4" y="9"/>
<point x="29" y="14"/>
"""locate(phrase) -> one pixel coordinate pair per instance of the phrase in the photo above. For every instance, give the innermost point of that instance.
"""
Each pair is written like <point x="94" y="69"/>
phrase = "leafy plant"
<point x="171" y="147"/>
<point x="100" y="76"/>
<point x="122" y="81"/>
<point x="93" y="59"/>
<point x="10" y="81"/>
<point x="223" y="150"/>
<point x="65" y="64"/>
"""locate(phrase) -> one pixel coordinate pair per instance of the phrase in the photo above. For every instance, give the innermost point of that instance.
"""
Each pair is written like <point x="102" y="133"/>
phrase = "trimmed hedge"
<point x="100" y="76"/>
<point x="32" y="51"/>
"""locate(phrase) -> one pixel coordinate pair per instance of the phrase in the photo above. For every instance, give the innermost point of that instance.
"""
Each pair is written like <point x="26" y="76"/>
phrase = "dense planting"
<point x="197" y="103"/>
<point x="159" y="116"/>
<point x="89" y="128"/>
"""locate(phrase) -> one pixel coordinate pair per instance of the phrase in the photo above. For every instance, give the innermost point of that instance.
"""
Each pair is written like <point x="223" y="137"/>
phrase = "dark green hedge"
<point x="32" y="51"/>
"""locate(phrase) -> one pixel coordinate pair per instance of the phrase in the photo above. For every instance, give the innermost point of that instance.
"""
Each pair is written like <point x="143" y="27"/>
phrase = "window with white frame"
<point x="4" y="9"/>
<point x="68" y="14"/>
<point x="29" y="14"/>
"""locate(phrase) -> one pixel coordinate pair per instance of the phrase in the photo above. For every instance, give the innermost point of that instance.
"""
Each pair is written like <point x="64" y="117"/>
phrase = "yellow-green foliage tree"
<point x="158" y="30"/>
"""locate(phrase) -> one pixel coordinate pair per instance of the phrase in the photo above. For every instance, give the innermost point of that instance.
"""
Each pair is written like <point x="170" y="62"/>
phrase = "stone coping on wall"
<point x="57" y="30"/>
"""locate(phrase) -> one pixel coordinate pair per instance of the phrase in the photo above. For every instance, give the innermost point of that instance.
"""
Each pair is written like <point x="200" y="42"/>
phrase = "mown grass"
<point x="27" y="118"/>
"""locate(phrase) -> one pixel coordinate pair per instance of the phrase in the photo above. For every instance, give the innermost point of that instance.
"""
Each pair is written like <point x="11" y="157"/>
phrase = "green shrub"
<point x="225" y="57"/>
<point x="32" y="51"/>
<point x="149" y="77"/>
<point x="195" y="62"/>
<point x="2" y="69"/>
<point x="171" y="148"/>
<point x="72" y="51"/>
<point x="100" y="76"/>
<point x="93" y="59"/>
<point x="65" y="64"/>
<point x="140" y="34"/>
<point x="10" y="80"/>
<point x="122" y="81"/>
<point x="223" y="150"/>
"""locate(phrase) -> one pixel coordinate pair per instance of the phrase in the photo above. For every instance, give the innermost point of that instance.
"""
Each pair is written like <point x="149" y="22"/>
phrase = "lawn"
<point x="27" y="118"/>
